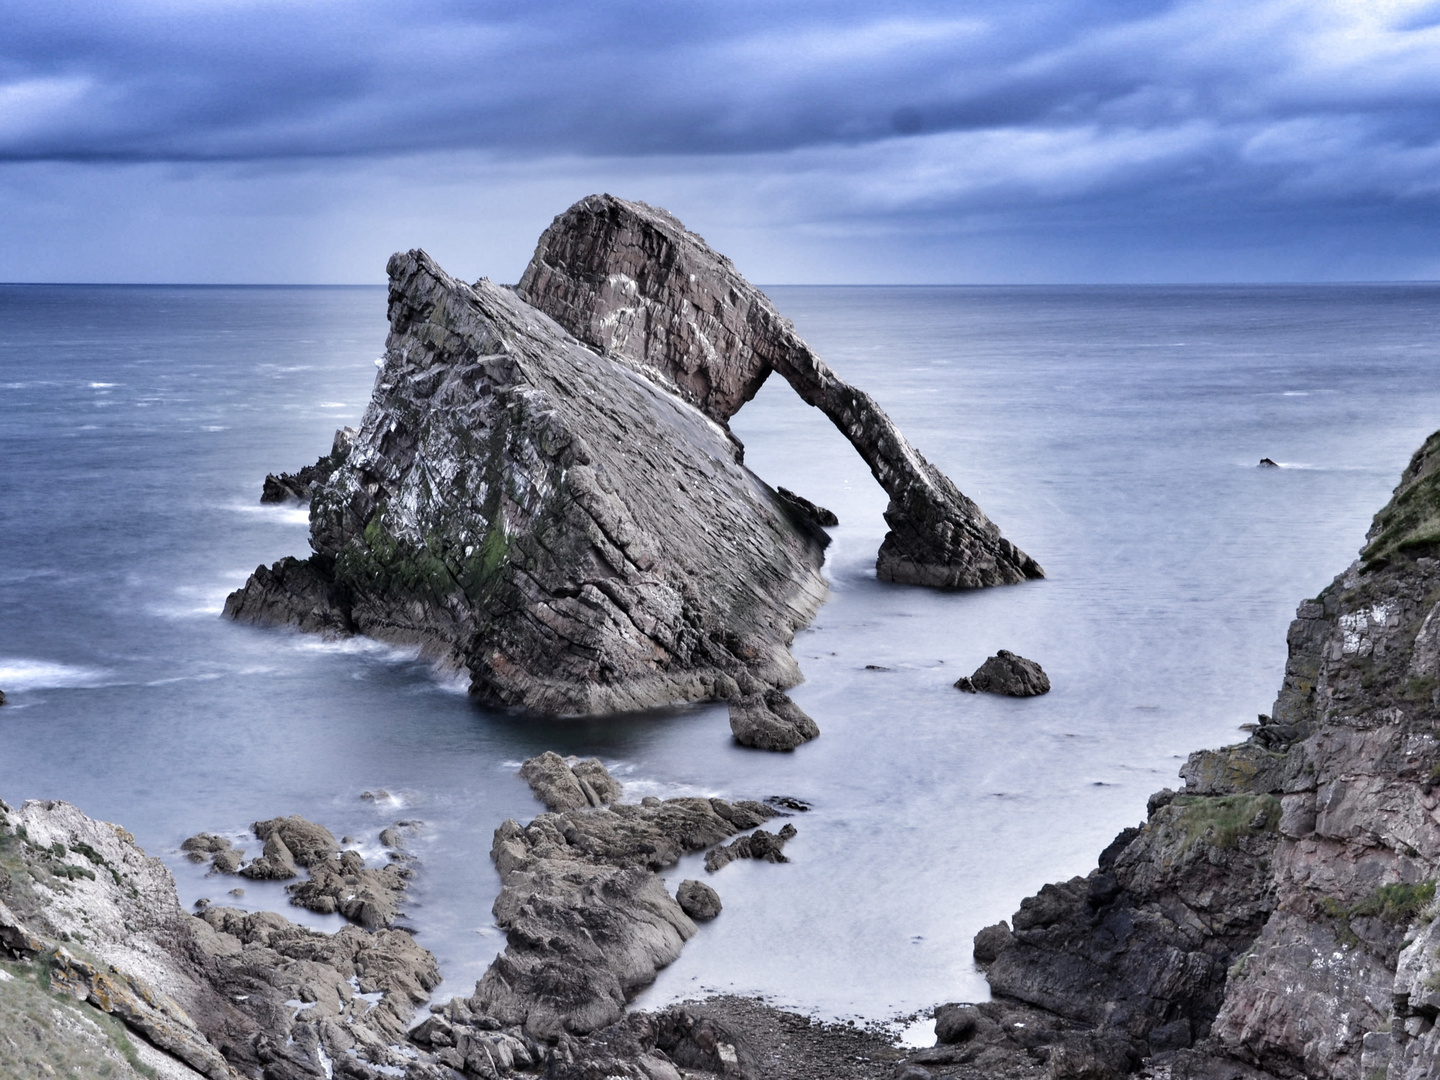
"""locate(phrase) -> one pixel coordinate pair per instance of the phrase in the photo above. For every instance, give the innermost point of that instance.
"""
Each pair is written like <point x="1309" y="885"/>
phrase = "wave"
<point x="289" y="514"/>
<point x="23" y="673"/>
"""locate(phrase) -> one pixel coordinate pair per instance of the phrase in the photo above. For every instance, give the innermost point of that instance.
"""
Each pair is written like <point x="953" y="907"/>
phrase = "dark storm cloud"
<point x="1206" y="116"/>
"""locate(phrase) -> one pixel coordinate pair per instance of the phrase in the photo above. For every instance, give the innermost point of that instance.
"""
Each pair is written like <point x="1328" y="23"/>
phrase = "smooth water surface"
<point x="1112" y="433"/>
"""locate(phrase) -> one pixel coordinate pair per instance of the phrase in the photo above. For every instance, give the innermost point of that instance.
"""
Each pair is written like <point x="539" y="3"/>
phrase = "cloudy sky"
<point x="969" y="141"/>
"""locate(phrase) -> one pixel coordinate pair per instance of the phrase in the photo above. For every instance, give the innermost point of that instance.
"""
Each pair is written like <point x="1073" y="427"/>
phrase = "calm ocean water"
<point x="1113" y="433"/>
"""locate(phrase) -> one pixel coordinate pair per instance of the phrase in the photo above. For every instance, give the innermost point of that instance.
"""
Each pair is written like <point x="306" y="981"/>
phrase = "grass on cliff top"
<point x="49" y="1035"/>
<point x="1411" y="519"/>
<point x="1222" y="820"/>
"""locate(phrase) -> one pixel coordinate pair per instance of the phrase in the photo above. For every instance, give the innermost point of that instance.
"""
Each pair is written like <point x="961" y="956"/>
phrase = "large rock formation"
<point x="1279" y="913"/>
<point x="544" y="489"/>
<point x="578" y="537"/>
<point x="631" y="281"/>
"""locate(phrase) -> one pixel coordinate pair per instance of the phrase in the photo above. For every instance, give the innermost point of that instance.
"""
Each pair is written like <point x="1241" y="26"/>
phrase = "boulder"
<point x="569" y="783"/>
<point x="698" y="900"/>
<point x="769" y="720"/>
<point x="1008" y="674"/>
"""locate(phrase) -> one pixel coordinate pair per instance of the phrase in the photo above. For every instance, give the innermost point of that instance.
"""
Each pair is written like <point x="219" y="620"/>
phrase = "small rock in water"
<point x="569" y="783"/>
<point x="698" y="900"/>
<point x="1266" y="463"/>
<point x="2" y="697"/>
<point x="375" y="796"/>
<point x="770" y="721"/>
<point x="391" y="838"/>
<point x="766" y="846"/>
<point x="237" y="893"/>
<point x="1006" y="673"/>
<point x="788" y="802"/>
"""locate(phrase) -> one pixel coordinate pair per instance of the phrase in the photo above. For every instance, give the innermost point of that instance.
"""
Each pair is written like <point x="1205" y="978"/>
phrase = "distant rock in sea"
<point x="1266" y="463"/>
<point x="1008" y="674"/>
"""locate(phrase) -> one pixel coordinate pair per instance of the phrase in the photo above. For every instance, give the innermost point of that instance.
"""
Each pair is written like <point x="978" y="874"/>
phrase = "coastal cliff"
<point x="1279" y="912"/>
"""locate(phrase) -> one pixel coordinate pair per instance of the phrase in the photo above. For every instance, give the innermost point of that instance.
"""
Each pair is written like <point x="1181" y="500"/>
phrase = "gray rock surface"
<point x="698" y="900"/>
<point x="300" y="486"/>
<point x="631" y="281"/>
<point x="762" y="845"/>
<point x="588" y="922"/>
<point x="336" y="881"/>
<point x="89" y="917"/>
<point x="1008" y="674"/>
<point x="569" y="783"/>
<point x="557" y="522"/>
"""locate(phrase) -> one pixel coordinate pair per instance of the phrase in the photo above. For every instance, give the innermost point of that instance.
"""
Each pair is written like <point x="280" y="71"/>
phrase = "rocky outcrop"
<point x="92" y="920"/>
<point x="562" y="525"/>
<point x="588" y="922"/>
<point x="762" y="845"/>
<point x="1008" y="674"/>
<point x="569" y="783"/>
<point x="632" y="282"/>
<point x="336" y="881"/>
<point x="300" y="486"/>
<point x="1279" y="913"/>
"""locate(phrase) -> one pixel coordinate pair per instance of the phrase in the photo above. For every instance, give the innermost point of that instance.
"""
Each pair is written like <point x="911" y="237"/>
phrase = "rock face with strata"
<point x="556" y="521"/>
<point x="214" y="995"/>
<point x="631" y="281"/>
<point x="588" y="922"/>
<point x="1279" y="913"/>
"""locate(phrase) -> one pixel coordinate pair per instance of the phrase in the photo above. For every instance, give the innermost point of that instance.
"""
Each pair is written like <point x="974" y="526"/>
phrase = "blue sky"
<point x="1051" y="141"/>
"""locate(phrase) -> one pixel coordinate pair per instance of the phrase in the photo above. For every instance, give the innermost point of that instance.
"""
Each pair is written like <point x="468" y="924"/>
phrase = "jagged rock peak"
<point x="631" y="281"/>
<point x="565" y="527"/>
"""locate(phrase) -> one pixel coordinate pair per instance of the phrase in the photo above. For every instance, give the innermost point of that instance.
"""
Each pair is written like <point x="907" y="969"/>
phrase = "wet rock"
<point x="569" y="783"/>
<point x="770" y="721"/>
<point x="595" y="547"/>
<point x="698" y="900"/>
<point x="306" y="841"/>
<point x="956" y="1023"/>
<point x="1266" y="463"/>
<point x="629" y="280"/>
<point x="588" y="923"/>
<point x="2" y="697"/>
<point x="991" y="941"/>
<point x="300" y="486"/>
<point x="762" y="845"/>
<point x="1006" y="673"/>
<point x="275" y="863"/>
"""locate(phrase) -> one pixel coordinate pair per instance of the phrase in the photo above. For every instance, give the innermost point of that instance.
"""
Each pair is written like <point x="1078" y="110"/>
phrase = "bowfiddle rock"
<point x="545" y="491"/>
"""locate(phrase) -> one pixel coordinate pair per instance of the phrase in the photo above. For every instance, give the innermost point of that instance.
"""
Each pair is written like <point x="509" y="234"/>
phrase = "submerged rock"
<point x="762" y="845"/>
<point x="557" y="522"/>
<point x="1008" y="674"/>
<point x="632" y="281"/>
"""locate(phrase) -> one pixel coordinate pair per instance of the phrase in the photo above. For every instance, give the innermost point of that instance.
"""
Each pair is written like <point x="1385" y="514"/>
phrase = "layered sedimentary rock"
<point x="88" y="917"/>
<point x="556" y="521"/>
<point x="631" y="281"/>
<point x="588" y="922"/>
<point x="1279" y="913"/>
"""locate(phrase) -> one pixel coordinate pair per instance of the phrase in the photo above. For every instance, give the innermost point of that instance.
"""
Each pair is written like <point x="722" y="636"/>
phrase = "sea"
<point x="1114" y="433"/>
